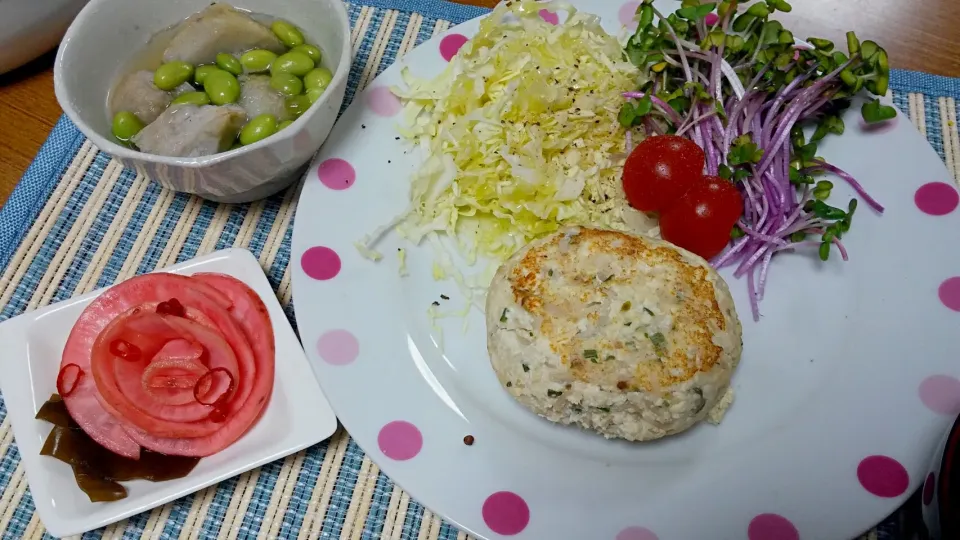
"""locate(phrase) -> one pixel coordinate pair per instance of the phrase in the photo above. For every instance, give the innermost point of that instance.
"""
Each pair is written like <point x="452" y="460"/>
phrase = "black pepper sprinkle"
<point x="388" y="161"/>
<point x="396" y="138"/>
<point x="436" y="303"/>
<point x="445" y="297"/>
<point x="363" y="126"/>
<point x="468" y="440"/>
<point x="509" y="384"/>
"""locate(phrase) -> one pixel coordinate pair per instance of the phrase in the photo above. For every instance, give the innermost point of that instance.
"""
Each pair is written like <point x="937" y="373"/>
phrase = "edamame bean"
<point x="296" y="105"/>
<point x="287" y="33"/>
<point x="229" y="63"/>
<point x="193" y="98"/>
<point x="172" y="74"/>
<point x="314" y="94"/>
<point x="202" y="71"/>
<point x="284" y="124"/>
<point x="222" y="87"/>
<point x="257" y="129"/>
<point x="318" y="78"/>
<point x="257" y="60"/>
<point x="293" y="62"/>
<point x="286" y="84"/>
<point x="311" y="51"/>
<point x="126" y="125"/>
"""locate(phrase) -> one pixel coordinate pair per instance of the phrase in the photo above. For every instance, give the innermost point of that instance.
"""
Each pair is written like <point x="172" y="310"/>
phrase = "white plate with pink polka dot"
<point x="845" y="386"/>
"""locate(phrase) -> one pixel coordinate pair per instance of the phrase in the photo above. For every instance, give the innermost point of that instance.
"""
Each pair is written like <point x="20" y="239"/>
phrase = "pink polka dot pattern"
<point x="936" y="198"/>
<point x="382" y="101"/>
<point x="400" y="440"/>
<point x="636" y="533"/>
<point x="929" y="485"/>
<point x="883" y="476"/>
<point x="320" y="263"/>
<point x="711" y="19"/>
<point x="941" y="394"/>
<point x="338" y="347"/>
<point x="949" y="293"/>
<point x="626" y="13"/>
<point x="550" y="17"/>
<point x="771" y="527"/>
<point x="449" y="45"/>
<point x="506" y="513"/>
<point x="336" y="173"/>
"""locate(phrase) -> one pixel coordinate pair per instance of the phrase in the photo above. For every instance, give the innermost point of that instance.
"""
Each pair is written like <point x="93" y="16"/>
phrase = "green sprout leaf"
<point x="780" y="5"/>
<point x="825" y="211"/>
<point x="874" y="112"/>
<point x="824" y="251"/>
<point x="853" y="44"/>
<point x="646" y="16"/>
<point x="741" y="23"/>
<point x="627" y="115"/>
<point x="697" y="12"/>
<point x="824" y="45"/>
<point x="759" y="10"/>
<point x="868" y="49"/>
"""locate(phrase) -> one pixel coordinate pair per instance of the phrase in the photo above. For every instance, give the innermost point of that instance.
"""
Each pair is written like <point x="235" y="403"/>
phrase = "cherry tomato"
<point x="661" y="169"/>
<point x="700" y="220"/>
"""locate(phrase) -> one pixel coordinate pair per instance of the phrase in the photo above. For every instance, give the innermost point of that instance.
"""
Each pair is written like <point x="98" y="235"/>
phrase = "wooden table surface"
<point x="917" y="38"/>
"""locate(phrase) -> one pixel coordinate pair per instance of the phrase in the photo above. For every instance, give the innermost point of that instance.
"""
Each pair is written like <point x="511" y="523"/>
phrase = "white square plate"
<point x="298" y="415"/>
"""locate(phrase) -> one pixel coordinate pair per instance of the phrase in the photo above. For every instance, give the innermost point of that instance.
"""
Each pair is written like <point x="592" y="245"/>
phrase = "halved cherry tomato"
<point x="661" y="169"/>
<point x="700" y="220"/>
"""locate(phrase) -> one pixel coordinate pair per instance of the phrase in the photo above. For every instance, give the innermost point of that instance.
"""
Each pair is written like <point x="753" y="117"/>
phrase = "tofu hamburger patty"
<point x="627" y="335"/>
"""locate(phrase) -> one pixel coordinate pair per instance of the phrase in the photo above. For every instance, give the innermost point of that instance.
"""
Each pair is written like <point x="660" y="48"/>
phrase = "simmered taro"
<point x="136" y="93"/>
<point x="207" y="82"/>
<point x="96" y="469"/>
<point x="190" y="131"/>
<point x="219" y="29"/>
<point x="258" y="97"/>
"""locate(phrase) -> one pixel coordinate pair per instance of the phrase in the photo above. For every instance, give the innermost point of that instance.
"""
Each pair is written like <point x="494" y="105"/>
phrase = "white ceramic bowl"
<point x="29" y="28"/>
<point x="107" y="33"/>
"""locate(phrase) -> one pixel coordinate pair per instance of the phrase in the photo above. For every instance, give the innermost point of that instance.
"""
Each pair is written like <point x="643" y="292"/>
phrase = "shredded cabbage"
<point x="402" y="258"/>
<point x="520" y="135"/>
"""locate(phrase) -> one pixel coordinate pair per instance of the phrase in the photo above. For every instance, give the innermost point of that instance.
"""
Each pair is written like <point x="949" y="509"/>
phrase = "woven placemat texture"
<point x="79" y="221"/>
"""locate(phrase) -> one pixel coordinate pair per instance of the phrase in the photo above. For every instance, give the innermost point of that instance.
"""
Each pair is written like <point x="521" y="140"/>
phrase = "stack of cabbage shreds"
<point x="520" y="133"/>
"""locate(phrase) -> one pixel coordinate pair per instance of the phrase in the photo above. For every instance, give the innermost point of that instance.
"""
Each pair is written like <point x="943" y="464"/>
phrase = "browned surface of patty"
<point x="695" y="321"/>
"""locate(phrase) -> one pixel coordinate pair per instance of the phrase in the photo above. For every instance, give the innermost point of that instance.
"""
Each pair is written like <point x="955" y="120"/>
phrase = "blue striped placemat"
<point x="78" y="221"/>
